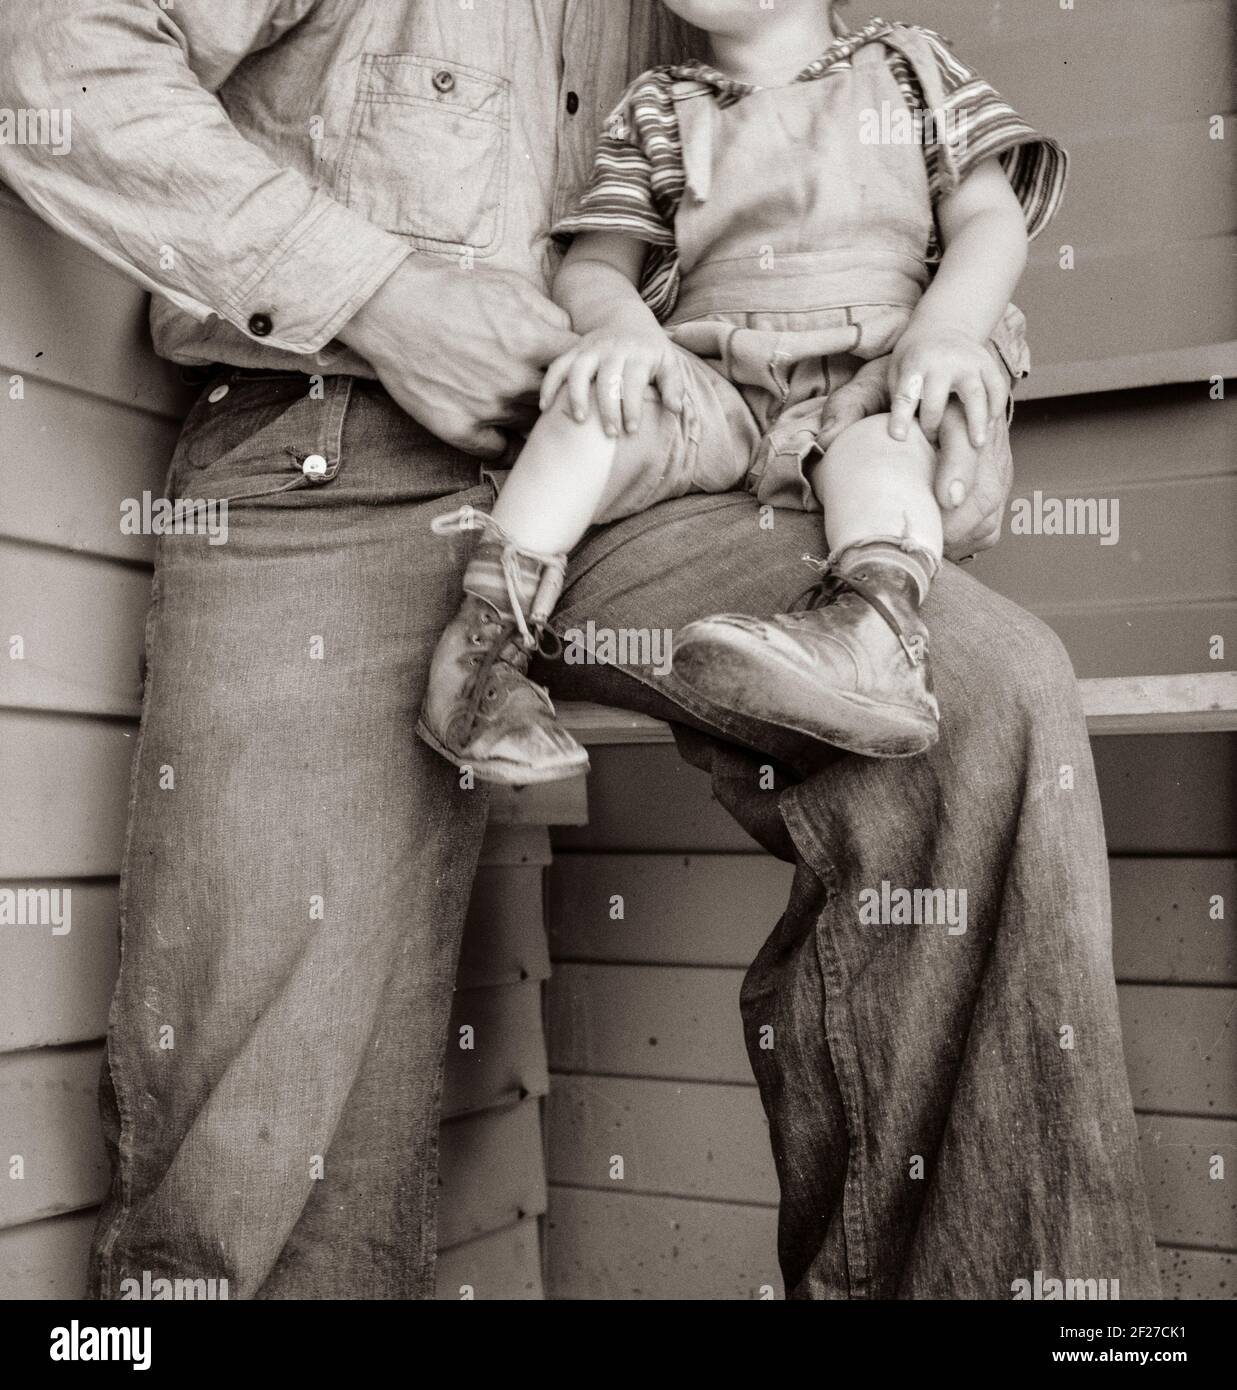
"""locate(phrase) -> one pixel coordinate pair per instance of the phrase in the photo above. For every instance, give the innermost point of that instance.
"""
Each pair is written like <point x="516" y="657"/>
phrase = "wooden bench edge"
<point x="1202" y="702"/>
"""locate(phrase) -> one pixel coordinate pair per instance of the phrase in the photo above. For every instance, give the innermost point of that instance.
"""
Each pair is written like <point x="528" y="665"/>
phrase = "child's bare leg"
<point x="877" y="492"/>
<point x="556" y="487"/>
<point x="481" y="711"/>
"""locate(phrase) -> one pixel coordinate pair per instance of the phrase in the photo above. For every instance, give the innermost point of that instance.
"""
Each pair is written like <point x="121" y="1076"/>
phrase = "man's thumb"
<point x="955" y="473"/>
<point x="839" y="414"/>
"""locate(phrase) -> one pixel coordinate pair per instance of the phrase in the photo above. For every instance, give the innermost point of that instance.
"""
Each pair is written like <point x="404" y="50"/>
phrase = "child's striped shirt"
<point x="638" y="176"/>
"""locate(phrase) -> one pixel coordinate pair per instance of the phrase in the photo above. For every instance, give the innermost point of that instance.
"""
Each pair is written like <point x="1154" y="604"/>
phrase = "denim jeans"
<point x="298" y="865"/>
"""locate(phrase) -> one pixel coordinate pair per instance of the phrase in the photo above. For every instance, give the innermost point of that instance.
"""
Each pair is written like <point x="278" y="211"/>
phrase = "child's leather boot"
<point x="849" y="667"/>
<point x="481" y="711"/>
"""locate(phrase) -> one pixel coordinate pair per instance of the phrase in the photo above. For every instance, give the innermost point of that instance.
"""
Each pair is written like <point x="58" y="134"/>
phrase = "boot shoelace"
<point x="467" y="518"/>
<point x="830" y="581"/>
<point x="531" y="638"/>
<point x="464" y="722"/>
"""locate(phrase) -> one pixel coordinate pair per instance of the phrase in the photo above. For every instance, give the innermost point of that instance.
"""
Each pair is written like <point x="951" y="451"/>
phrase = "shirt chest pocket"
<point x="426" y="155"/>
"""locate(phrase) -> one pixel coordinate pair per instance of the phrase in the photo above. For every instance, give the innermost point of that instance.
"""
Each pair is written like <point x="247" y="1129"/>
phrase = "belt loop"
<point x="496" y="477"/>
<point x="334" y="413"/>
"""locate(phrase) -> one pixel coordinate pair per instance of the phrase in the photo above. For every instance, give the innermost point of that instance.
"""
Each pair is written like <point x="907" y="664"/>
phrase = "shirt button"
<point x="314" y="466"/>
<point x="217" y="395"/>
<point x="260" y="325"/>
<point x="444" y="81"/>
<point x="573" y="103"/>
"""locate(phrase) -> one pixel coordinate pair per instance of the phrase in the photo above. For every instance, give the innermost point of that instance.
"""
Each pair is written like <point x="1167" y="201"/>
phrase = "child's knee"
<point x="868" y="444"/>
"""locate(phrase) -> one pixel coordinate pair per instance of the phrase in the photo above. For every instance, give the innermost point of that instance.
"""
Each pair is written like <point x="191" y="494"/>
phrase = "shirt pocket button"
<point x="444" y="81"/>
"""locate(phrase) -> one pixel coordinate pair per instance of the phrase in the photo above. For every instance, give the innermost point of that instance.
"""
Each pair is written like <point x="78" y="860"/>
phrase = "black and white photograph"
<point x="619" y="665"/>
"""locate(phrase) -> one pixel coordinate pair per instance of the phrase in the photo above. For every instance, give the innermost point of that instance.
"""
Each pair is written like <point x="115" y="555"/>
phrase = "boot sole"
<point x="501" y="773"/>
<point x="854" y="723"/>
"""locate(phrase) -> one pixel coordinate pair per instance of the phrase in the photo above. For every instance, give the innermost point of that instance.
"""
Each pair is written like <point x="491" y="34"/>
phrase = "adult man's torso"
<point x="463" y="128"/>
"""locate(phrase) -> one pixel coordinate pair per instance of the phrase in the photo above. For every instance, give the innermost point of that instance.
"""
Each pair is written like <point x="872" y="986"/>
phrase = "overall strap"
<point x="696" y="109"/>
<point x="914" y="47"/>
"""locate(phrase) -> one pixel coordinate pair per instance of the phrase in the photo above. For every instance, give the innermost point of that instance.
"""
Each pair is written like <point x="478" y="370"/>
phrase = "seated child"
<point x="758" y="230"/>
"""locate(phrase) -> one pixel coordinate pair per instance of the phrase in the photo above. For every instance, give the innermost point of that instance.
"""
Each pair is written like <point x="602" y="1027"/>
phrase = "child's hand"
<point x="622" y="365"/>
<point x="928" y="366"/>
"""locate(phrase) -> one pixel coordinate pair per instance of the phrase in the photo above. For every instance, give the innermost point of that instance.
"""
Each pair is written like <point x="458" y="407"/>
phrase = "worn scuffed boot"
<point x="849" y="667"/>
<point x="481" y="711"/>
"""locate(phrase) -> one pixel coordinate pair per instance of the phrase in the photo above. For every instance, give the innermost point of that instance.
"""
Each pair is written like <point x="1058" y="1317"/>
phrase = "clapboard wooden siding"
<point x="682" y="1023"/>
<point x="647" y="1056"/>
<point x="94" y="422"/>
<point x="1132" y="89"/>
<point x="1163" y="463"/>
<point x="715" y="909"/>
<point x="1163" y="795"/>
<point x="613" y="1245"/>
<point x="1150" y="224"/>
<point x="1139" y="92"/>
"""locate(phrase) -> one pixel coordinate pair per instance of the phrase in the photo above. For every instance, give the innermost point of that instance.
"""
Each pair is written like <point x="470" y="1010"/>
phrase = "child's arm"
<point x="943" y="352"/>
<point x="622" y="347"/>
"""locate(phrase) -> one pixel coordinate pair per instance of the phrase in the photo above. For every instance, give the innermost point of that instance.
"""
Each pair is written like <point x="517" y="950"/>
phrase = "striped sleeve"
<point x="637" y="184"/>
<point x="981" y="125"/>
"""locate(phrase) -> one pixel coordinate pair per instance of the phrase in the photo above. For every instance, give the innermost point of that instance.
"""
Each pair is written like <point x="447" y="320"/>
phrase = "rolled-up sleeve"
<point x="151" y="174"/>
<point x="980" y="125"/>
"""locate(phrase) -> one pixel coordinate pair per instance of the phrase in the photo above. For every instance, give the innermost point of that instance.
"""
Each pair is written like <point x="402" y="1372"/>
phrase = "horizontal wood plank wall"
<point x="1162" y="465"/>
<point x="1131" y="88"/>
<point x="646" y="1050"/>
<point x="95" y="423"/>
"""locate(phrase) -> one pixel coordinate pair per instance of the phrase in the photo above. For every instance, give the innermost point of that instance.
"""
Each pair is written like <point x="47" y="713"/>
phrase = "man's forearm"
<point x="157" y="180"/>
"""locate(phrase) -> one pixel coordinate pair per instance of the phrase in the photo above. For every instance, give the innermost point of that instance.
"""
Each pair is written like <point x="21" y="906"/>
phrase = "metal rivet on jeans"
<point x="314" y="466"/>
<point x="444" y="81"/>
<point x="217" y="394"/>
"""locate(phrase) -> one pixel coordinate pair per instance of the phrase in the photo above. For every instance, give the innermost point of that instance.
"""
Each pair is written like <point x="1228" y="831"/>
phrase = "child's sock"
<point x="486" y="578"/>
<point x="889" y="559"/>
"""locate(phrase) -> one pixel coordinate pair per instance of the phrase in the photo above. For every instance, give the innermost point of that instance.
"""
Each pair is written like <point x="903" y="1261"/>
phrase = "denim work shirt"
<point x="262" y="166"/>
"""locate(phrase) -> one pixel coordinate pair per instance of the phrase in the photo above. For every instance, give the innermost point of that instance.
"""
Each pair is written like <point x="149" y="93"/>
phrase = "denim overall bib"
<point x="803" y="248"/>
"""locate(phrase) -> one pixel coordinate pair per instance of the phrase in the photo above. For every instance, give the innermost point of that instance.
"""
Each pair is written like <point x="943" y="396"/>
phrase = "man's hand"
<point x="462" y="351"/>
<point x="930" y="366"/>
<point x="981" y="477"/>
<point x="866" y="393"/>
<point x="622" y="364"/>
